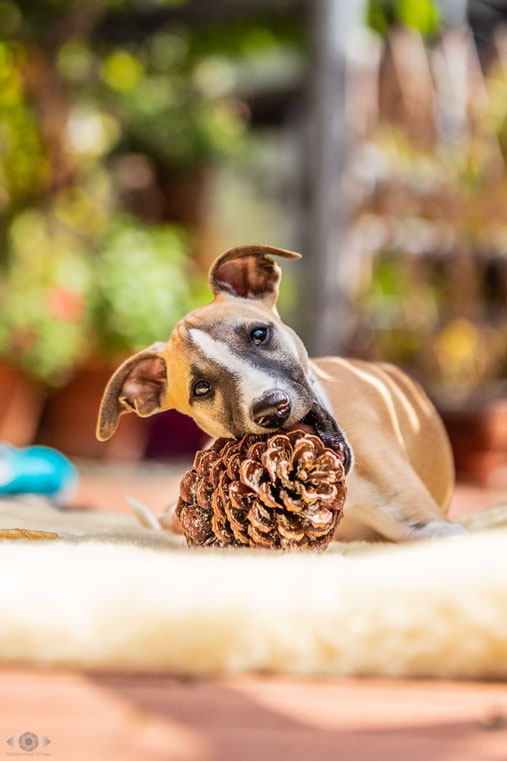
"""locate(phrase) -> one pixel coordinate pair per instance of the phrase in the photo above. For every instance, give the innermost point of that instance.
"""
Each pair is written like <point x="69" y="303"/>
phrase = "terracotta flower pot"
<point x="21" y="402"/>
<point x="478" y="434"/>
<point x="70" y="418"/>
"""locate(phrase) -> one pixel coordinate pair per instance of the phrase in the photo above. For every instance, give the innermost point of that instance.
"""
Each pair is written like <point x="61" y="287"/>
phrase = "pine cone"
<point x="270" y="491"/>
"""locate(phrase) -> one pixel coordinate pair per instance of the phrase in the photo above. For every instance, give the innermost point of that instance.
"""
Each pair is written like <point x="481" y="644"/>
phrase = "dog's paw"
<point x="438" y="528"/>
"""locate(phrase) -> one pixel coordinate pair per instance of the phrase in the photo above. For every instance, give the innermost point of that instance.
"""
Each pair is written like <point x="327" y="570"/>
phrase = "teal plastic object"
<point x="36" y="470"/>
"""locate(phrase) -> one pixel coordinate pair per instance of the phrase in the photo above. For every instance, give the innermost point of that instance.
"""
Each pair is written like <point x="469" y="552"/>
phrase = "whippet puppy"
<point x="236" y="368"/>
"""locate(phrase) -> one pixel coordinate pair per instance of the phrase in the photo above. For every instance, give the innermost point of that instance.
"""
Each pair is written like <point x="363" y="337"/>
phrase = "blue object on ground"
<point x="36" y="470"/>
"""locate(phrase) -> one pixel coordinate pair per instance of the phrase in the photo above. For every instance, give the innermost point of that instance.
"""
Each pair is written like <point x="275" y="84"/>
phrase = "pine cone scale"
<point x="250" y="473"/>
<point x="196" y="523"/>
<point x="291" y="503"/>
<point x="261" y="518"/>
<point x="188" y="486"/>
<point x="267" y="495"/>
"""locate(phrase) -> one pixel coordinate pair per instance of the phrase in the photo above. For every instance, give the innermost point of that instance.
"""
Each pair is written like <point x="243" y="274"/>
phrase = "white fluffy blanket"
<point x="129" y="599"/>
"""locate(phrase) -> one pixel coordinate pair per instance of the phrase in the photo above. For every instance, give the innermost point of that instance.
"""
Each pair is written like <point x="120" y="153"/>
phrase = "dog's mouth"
<point x="308" y="423"/>
<point x="318" y="420"/>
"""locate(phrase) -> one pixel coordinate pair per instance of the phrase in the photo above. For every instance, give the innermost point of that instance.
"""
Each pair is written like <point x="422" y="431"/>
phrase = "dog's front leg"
<point x="399" y="507"/>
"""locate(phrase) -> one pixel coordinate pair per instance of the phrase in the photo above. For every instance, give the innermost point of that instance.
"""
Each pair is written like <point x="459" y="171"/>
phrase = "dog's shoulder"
<point x="378" y="376"/>
<point x="373" y="390"/>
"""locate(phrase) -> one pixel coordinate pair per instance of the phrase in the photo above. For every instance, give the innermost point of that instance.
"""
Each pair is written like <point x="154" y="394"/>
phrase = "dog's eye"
<point x="259" y="335"/>
<point x="201" y="388"/>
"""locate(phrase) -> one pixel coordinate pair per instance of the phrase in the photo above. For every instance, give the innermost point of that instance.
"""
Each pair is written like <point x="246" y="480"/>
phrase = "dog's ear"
<point x="248" y="272"/>
<point x="139" y="385"/>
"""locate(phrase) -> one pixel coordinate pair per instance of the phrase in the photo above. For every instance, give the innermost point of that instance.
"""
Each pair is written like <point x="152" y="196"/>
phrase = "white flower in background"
<point x="91" y="131"/>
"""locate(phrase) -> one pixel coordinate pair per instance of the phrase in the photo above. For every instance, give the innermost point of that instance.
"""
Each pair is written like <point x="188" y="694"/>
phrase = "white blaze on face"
<point x="252" y="382"/>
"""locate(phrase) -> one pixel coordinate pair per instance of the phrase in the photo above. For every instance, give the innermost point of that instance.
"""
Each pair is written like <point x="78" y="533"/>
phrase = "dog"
<point x="236" y="368"/>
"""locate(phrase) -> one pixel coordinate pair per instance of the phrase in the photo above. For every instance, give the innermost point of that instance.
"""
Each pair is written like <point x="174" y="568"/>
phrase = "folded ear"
<point x="248" y="272"/>
<point x="139" y="385"/>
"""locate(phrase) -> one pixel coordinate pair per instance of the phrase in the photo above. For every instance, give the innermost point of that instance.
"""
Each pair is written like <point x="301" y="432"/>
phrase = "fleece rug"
<point x="102" y="592"/>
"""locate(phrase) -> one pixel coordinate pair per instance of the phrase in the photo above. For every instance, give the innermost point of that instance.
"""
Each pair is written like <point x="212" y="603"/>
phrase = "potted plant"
<point x="43" y="320"/>
<point x="142" y="284"/>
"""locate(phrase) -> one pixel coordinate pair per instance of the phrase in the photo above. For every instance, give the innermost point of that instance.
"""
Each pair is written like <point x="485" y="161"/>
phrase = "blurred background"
<point x="140" y="138"/>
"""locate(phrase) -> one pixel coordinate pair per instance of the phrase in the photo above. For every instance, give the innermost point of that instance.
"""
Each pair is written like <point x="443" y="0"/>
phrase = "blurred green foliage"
<point x="434" y="292"/>
<point x="142" y="296"/>
<point x="421" y="15"/>
<point x="104" y="105"/>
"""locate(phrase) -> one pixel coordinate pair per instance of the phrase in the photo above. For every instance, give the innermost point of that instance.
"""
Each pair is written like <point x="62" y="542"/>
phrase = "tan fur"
<point x="404" y="464"/>
<point x="402" y="481"/>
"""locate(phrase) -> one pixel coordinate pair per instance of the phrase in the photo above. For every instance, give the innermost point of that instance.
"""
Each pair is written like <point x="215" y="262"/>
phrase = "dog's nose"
<point x="271" y="410"/>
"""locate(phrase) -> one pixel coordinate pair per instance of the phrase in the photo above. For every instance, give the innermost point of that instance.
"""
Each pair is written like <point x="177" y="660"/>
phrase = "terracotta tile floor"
<point x="103" y="487"/>
<point x="94" y="717"/>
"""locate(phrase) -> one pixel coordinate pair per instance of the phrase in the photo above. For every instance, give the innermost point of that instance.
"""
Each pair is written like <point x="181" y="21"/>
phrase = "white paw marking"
<point x="438" y="528"/>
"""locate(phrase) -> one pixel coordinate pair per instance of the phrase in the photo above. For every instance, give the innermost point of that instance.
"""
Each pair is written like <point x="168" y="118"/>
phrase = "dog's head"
<point x="232" y="365"/>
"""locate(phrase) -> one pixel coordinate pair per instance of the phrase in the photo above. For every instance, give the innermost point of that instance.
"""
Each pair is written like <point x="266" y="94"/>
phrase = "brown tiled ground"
<point x="104" y="487"/>
<point x="104" y="718"/>
<point x="93" y="717"/>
